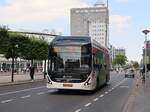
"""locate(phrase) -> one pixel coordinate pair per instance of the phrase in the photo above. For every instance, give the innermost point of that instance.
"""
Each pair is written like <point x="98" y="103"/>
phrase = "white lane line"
<point x="124" y="87"/>
<point x="96" y="99"/>
<point x="27" y="96"/>
<point x="109" y="90"/>
<point x="106" y="92"/>
<point x="101" y="96"/>
<point x="78" y="110"/>
<point x="121" y="82"/>
<point x="6" y="101"/>
<point x="40" y="93"/>
<point x="22" y="90"/>
<point x="88" y="104"/>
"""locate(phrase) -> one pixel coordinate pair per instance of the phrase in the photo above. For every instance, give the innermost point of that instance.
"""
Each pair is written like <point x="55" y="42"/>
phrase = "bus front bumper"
<point x="71" y="86"/>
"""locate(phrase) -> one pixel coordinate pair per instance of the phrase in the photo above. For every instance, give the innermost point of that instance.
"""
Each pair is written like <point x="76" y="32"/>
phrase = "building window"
<point x="77" y="11"/>
<point x="86" y="11"/>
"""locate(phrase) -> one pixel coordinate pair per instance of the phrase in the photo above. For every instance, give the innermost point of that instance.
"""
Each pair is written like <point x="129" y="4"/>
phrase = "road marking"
<point x="124" y="86"/>
<point x="78" y="110"/>
<point x="106" y="92"/>
<point x="121" y="82"/>
<point x="109" y="90"/>
<point x="88" y="104"/>
<point x="40" y="93"/>
<point x="27" y="96"/>
<point x="101" y="96"/>
<point x="96" y="99"/>
<point x="21" y="90"/>
<point x="6" y="101"/>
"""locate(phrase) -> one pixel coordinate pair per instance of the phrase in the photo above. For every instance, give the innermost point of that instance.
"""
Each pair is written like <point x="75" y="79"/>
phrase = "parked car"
<point x="129" y="74"/>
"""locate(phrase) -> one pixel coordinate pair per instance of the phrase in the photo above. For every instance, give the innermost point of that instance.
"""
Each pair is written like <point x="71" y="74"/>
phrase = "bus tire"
<point x="106" y="80"/>
<point x="97" y="83"/>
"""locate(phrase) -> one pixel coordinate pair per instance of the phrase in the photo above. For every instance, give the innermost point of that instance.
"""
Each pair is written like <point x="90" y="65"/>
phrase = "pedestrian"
<point x="143" y="78"/>
<point x="143" y="75"/>
<point x="32" y="69"/>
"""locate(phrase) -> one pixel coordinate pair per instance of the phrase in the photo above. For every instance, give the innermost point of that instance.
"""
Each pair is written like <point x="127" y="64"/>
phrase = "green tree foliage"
<point x="37" y="49"/>
<point x="135" y="65"/>
<point x="120" y="60"/>
<point x="4" y="39"/>
<point x="16" y="45"/>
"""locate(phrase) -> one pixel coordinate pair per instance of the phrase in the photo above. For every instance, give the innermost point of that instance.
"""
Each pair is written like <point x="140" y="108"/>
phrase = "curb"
<point x="21" y="82"/>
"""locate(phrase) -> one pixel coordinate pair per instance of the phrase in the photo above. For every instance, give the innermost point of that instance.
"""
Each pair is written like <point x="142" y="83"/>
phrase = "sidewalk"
<point x="5" y="78"/>
<point x="139" y="99"/>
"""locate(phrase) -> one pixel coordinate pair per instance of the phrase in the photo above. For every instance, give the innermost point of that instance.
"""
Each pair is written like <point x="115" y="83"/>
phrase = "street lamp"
<point x="145" y="32"/>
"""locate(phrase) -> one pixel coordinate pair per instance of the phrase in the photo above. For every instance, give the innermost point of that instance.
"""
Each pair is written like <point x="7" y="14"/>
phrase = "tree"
<point x="135" y="65"/>
<point x="120" y="60"/>
<point x="13" y="49"/>
<point x="4" y="39"/>
<point x="14" y="45"/>
<point x="36" y="49"/>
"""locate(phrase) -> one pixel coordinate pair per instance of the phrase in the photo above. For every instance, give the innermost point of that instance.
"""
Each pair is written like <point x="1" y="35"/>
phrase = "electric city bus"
<point x="77" y="62"/>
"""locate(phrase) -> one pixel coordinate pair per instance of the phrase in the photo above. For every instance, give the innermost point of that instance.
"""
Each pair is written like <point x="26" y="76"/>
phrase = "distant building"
<point x="112" y="52"/>
<point x="91" y="21"/>
<point x="116" y="51"/>
<point x="120" y="51"/>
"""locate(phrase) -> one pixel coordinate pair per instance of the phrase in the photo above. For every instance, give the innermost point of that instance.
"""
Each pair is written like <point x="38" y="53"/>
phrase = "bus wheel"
<point x="97" y="83"/>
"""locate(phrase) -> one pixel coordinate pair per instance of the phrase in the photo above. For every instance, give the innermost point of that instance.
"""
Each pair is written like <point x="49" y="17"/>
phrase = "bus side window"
<point x="100" y="66"/>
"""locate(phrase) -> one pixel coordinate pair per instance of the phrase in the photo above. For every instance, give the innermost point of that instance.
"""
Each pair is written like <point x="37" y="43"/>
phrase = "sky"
<point x="127" y="19"/>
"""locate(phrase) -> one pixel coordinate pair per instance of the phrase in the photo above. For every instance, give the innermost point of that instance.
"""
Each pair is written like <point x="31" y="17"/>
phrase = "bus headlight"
<point x="88" y="82"/>
<point x="49" y="80"/>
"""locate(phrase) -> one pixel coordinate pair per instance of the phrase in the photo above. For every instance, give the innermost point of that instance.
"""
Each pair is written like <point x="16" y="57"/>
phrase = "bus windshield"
<point x="74" y="58"/>
<point x="73" y="61"/>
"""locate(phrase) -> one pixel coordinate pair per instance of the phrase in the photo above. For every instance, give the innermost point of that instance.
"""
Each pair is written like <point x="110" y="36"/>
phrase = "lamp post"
<point x="145" y="32"/>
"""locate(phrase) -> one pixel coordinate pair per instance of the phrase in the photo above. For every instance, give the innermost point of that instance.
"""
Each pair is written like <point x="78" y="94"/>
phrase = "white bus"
<point x="77" y="63"/>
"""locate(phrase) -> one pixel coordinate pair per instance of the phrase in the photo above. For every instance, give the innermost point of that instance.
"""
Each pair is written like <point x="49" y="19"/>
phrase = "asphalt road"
<point x="35" y="97"/>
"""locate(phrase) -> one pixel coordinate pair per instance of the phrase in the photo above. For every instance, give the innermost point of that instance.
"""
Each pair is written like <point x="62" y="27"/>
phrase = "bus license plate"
<point x="67" y="85"/>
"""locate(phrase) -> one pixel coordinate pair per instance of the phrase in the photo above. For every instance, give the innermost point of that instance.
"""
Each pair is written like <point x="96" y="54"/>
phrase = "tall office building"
<point x="120" y="51"/>
<point x="91" y="21"/>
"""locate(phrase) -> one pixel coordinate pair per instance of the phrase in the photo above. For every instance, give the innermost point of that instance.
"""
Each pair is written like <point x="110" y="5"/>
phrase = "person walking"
<point x="143" y="78"/>
<point x="143" y="75"/>
<point x="32" y="69"/>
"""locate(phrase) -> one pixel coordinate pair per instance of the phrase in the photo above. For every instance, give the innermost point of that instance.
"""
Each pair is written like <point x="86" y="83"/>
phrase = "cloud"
<point x="120" y="23"/>
<point x="28" y="11"/>
<point x="123" y="1"/>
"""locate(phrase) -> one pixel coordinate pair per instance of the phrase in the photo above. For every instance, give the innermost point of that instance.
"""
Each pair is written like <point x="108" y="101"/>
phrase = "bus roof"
<point x="77" y="40"/>
<point x="67" y="40"/>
